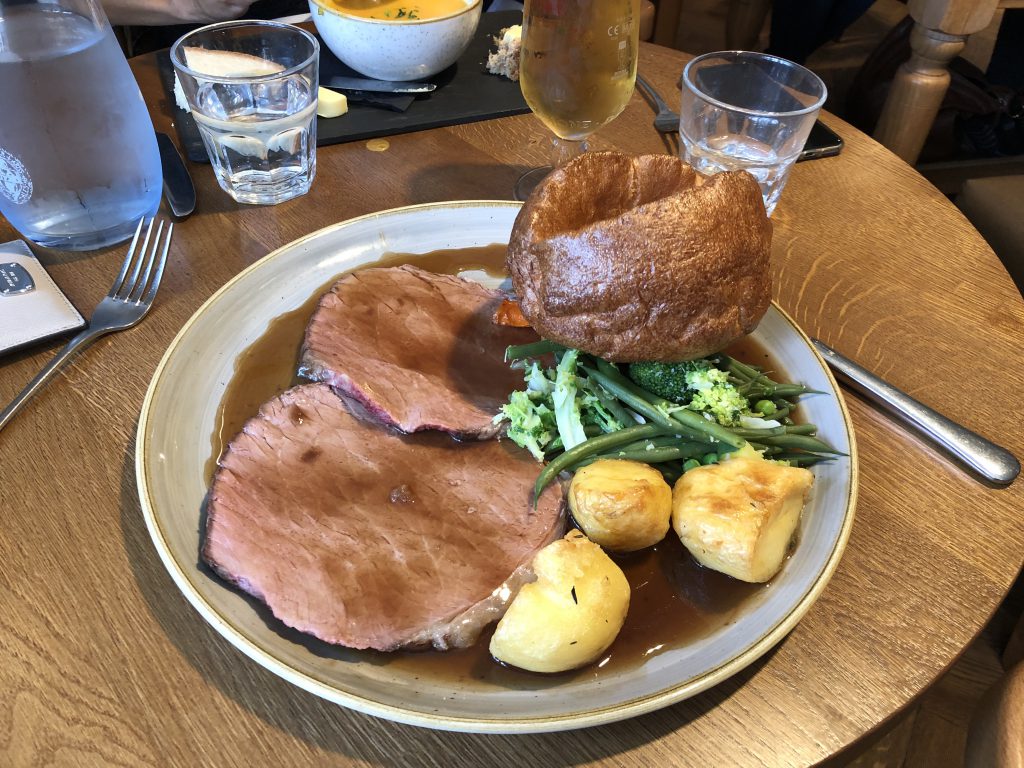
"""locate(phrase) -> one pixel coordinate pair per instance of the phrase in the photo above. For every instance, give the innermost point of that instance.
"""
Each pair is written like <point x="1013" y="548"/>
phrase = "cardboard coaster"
<point x="32" y="307"/>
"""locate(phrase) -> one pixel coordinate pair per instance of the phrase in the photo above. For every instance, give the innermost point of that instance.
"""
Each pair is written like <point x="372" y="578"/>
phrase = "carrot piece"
<point x="509" y="313"/>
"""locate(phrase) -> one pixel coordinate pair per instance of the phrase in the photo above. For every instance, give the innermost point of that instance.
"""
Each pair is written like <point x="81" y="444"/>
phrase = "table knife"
<point x="340" y="83"/>
<point x="991" y="461"/>
<point x="396" y="102"/>
<point x="178" y="187"/>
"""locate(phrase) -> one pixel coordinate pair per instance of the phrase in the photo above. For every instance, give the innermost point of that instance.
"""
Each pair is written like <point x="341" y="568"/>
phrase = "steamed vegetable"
<point x="673" y="416"/>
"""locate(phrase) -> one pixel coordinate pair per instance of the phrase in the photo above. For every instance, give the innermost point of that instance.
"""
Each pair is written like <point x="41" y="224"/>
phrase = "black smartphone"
<point x="822" y="142"/>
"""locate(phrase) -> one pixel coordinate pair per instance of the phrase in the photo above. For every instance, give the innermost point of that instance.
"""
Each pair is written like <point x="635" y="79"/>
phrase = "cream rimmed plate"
<point x="179" y="415"/>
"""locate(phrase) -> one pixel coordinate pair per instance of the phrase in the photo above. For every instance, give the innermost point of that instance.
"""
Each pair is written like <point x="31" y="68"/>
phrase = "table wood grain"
<point x="105" y="663"/>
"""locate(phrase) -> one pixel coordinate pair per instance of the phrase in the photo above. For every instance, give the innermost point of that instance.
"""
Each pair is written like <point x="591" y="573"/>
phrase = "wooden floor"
<point x="933" y="732"/>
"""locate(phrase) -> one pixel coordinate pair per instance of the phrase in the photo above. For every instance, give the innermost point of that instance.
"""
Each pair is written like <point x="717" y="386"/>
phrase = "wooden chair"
<point x="941" y="29"/>
<point x="996" y="735"/>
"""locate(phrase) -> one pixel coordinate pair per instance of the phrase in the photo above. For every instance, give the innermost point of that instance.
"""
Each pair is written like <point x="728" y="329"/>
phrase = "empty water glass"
<point x="252" y="89"/>
<point x="748" y="111"/>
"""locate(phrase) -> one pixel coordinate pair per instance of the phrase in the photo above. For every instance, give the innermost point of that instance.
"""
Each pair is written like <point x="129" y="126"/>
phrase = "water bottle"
<point x="79" y="164"/>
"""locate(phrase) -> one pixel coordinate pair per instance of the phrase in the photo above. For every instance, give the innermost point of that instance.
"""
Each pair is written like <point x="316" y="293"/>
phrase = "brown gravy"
<point x="674" y="600"/>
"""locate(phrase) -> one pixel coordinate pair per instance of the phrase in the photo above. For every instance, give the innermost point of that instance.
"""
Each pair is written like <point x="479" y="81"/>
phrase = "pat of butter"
<point x="331" y="103"/>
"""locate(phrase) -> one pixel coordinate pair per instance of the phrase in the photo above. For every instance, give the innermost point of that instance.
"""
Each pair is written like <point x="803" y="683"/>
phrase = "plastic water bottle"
<point x="79" y="164"/>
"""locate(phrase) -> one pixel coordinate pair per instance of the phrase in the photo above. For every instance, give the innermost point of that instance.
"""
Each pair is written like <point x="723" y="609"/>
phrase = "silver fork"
<point x="129" y="300"/>
<point x="667" y="120"/>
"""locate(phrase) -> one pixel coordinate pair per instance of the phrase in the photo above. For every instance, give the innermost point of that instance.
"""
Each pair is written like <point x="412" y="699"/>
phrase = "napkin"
<point x="36" y="313"/>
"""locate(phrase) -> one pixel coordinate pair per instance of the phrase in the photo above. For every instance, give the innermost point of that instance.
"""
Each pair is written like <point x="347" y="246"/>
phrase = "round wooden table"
<point x="107" y="664"/>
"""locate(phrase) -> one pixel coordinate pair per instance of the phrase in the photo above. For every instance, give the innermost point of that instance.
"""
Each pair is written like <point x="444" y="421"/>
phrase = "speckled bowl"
<point x="396" y="50"/>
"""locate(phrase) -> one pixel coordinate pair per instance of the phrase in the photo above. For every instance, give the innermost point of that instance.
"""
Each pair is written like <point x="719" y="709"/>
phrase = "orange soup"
<point x="399" y="10"/>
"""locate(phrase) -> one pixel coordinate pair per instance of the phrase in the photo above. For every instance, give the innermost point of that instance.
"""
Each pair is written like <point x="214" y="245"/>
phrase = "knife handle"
<point x="983" y="456"/>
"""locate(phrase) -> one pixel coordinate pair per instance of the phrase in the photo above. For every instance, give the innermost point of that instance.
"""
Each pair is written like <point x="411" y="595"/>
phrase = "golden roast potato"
<point x="569" y="615"/>
<point x="738" y="517"/>
<point x="621" y="505"/>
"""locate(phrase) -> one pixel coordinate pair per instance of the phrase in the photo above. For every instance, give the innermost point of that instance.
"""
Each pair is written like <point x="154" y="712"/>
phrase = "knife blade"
<point x="178" y="187"/>
<point x="340" y="83"/>
<point x="396" y="102"/>
<point x="989" y="460"/>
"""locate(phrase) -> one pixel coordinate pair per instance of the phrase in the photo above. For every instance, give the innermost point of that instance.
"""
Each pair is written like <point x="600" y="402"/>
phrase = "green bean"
<point x="690" y="464"/>
<point x="590" y="447"/>
<point x="648" y="457"/>
<point x="802" y="459"/>
<point x="615" y="408"/>
<point x="669" y="441"/>
<point x="534" y="349"/>
<point x="802" y="429"/>
<point x="633" y="401"/>
<point x="751" y="433"/>
<point x="746" y="372"/>
<point x="709" y="458"/>
<point x="756" y="433"/>
<point x="801" y="442"/>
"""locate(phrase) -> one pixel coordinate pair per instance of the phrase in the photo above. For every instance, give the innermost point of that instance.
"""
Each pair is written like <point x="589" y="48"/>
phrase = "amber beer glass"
<point x="577" y="69"/>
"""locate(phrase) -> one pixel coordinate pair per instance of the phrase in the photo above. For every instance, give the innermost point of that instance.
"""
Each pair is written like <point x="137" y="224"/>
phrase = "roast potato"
<point x="621" y="505"/>
<point x="569" y="615"/>
<point x="738" y="517"/>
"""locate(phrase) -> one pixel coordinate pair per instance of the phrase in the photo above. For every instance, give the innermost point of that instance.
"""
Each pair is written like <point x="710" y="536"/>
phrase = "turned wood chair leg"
<point x="917" y="92"/>
<point x="995" y="738"/>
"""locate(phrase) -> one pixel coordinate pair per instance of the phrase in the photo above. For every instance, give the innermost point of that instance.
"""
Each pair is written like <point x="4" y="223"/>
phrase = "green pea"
<point x="709" y="458"/>
<point x="765" y="407"/>
<point x="690" y="464"/>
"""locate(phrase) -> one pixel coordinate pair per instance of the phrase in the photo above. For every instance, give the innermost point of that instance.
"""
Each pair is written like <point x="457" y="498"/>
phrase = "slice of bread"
<point x="228" y="63"/>
<point x="221" y="64"/>
<point x="505" y="61"/>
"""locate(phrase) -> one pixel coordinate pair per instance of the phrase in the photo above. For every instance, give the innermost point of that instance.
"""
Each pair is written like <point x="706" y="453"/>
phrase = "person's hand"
<point x="161" y="12"/>
<point x="214" y="10"/>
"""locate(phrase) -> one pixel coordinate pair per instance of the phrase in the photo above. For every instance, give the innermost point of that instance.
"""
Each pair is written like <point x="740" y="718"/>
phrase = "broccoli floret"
<point x="696" y="384"/>
<point x="668" y="379"/>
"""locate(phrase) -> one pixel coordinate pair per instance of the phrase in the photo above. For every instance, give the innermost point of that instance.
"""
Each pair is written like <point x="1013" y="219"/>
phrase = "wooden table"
<point x="105" y="663"/>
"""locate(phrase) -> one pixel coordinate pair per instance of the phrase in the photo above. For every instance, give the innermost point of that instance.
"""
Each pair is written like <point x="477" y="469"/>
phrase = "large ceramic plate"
<point x="178" y="418"/>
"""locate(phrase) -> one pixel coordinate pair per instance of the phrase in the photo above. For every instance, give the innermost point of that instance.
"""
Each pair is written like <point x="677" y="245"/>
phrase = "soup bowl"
<point x="407" y="48"/>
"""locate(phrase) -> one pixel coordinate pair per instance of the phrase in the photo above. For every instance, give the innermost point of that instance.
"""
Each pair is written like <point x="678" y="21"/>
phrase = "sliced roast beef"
<point x="418" y="349"/>
<point x="369" y="538"/>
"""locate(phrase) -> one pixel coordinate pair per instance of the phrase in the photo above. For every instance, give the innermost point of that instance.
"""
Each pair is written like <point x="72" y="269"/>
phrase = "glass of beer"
<point x="577" y="70"/>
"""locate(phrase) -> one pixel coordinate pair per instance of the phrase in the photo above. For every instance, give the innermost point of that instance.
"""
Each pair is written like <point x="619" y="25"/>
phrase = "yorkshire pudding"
<point x="641" y="258"/>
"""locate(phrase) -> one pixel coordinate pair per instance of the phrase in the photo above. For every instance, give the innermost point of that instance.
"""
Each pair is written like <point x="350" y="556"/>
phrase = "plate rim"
<point x="437" y="721"/>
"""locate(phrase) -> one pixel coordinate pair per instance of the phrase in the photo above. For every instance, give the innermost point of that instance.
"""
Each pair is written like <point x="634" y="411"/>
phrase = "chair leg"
<point x="1013" y="654"/>
<point x="995" y="738"/>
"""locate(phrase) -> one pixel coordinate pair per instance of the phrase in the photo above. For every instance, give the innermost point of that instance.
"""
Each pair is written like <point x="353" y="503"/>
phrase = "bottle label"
<point x="15" y="183"/>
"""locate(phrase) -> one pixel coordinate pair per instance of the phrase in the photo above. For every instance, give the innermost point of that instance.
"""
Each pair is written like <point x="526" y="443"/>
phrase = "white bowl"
<point x="396" y="50"/>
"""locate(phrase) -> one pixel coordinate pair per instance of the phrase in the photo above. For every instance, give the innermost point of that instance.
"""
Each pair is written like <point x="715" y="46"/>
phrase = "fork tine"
<point x="151" y="294"/>
<point x="127" y="261"/>
<point x="150" y="256"/>
<point x="129" y="285"/>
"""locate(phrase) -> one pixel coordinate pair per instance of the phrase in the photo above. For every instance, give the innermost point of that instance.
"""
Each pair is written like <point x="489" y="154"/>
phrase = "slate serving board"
<point x="466" y="92"/>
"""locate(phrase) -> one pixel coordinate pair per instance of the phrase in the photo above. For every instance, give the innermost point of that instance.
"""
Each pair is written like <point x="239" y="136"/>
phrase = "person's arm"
<point x="160" y="12"/>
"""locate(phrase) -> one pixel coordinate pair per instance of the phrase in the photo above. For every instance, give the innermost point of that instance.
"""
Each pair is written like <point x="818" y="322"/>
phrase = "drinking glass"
<point x="747" y="111"/>
<point x="577" y="70"/>
<point x="252" y="89"/>
<point x="79" y="164"/>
